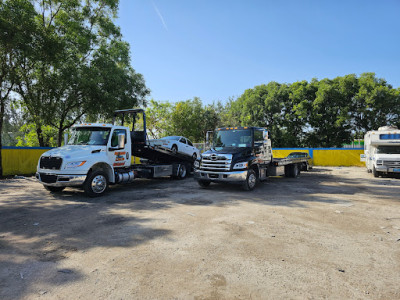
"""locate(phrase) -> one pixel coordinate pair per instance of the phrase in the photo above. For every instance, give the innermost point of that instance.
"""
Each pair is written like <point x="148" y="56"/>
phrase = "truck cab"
<point x="237" y="155"/>
<point x="90" y="155"/>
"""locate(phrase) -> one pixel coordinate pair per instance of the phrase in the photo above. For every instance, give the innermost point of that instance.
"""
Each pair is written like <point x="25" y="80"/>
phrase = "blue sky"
<point x="217" y="49"/>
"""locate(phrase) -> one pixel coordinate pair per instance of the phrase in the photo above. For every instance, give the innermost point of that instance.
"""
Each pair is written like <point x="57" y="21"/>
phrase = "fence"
<point x="23" y="160"/>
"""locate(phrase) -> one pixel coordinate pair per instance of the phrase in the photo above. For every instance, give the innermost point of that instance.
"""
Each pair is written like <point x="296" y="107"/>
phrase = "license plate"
<point x="396" y="170"/>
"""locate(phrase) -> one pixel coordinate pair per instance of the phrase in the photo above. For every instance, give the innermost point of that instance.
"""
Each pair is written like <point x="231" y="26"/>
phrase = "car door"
<point x="183" y="147"/>
<point x="191" y="148"/>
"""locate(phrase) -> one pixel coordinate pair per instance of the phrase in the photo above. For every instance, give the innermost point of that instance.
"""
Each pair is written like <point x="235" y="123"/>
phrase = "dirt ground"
<point x="331" y="233"/>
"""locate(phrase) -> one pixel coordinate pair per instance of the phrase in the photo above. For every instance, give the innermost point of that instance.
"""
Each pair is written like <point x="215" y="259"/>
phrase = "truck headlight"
<point x="379" y="162"/>
<point x="241" y="165"/>
<point x="196" y="164"/>
<point x="75" y="164"/>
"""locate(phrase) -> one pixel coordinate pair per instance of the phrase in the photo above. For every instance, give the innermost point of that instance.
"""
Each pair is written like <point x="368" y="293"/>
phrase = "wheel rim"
<point x="174" y="150"/>
<point x="194" y="156"/>
<point x="182" y="171"/>
<point x="99" y="184"/>
<point x="252" y="180"/>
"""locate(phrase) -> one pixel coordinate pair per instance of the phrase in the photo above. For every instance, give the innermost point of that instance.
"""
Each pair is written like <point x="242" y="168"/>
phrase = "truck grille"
<point x="51" y="163"/>
<point x="216" y="163"/>
<point x="391" y="164"/>
<point x="46" y="178"/>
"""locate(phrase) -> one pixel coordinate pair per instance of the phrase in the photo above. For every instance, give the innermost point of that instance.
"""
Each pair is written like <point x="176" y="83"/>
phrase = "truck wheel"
<point x="292" y="171"/>
<point x="375" y="172"/>
<point x="54" y="189"/>
<point x="251" y="180"/>
<point x="204" y="183"/>
<point x="182" y="171"/>
<point x="194" y="156"/>
<point x="96" y="184"/>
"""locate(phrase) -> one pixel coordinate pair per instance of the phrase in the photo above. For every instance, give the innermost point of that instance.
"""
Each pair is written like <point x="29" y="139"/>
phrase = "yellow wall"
<point x="338" y="157"/>
<point x="20" y="161"/>
<point x="23" y="161"/>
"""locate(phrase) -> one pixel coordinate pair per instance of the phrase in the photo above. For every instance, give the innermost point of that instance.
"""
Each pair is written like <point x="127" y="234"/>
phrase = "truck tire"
<point x="251" y="180"/>
<point x="375" y="172"/>
<point x="182" y="171"/>
<point x="54" y="189"/>
<point x="204" y="183"/>
<point x="292" y="171"/>
<point x="96" y="184"/>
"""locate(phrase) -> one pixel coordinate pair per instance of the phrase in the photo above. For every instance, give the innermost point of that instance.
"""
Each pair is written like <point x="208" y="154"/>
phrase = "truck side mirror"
<point x="121" y="140"/>
<point x="65" y="139"/>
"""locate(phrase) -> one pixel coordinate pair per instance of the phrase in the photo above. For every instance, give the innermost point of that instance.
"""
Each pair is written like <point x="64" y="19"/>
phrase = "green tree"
<point x="18" y="35"/>
<point x="81" y="67"/>
<point x="330" y="116"/>
<point x="158" y="119"/>
<point x="375" y="104"/>
<point x="262" y="106"/>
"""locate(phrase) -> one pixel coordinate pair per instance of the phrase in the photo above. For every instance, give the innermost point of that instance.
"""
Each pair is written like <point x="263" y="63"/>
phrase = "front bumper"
<point x="385" y="169"/>
<point x="229" y="177"/>
<point x="60" y="180"/>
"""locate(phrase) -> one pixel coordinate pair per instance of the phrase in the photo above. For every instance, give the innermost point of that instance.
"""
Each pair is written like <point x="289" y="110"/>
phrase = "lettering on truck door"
<point x="119" y="157"/>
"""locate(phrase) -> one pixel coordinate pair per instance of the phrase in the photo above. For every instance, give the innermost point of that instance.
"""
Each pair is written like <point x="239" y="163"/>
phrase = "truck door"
<point x="259" y="144"/>
<point x="119" y="157"/>
<point x="262" y="145"/>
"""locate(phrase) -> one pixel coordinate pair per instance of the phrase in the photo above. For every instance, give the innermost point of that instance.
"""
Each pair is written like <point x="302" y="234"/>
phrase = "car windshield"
<point x="388" y="150"/>
<point x="293" y="155"/>
<point x="89" y="136"/>
<point x="175" y="138"/>
<point x="232" y="138"/>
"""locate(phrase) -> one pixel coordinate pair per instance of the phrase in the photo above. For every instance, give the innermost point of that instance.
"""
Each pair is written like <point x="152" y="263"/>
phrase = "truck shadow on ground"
<point x="314" y="186"/>
<point x="39" y="231"/>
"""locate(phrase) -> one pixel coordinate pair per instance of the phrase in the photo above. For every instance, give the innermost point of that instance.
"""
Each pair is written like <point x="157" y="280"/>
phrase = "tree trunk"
<point x="60" y="137"/>
<point x="39" y="134"/>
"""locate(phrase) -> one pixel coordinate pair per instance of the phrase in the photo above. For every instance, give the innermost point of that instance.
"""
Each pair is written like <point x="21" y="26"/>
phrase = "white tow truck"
<point x="382" y="151"/>
<point x="97" y="155"/>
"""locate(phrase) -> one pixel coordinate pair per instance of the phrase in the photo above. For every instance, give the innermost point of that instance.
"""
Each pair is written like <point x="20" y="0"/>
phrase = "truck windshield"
<point x="89" y="136"/>
<point x="232" y="138"/>
<point x="388" y="150"/>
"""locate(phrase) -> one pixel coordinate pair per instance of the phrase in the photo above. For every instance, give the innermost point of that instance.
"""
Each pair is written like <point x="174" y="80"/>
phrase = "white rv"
<point x="382" y="151"/>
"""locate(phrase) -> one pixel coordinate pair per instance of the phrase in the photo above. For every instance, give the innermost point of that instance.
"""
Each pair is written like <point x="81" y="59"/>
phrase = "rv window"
<point x="389" y="136"/>
<point x="388" y="149"/>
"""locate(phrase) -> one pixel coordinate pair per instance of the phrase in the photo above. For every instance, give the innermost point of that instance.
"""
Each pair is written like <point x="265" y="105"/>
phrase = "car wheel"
<point x="96" y="184"/>
<point x="251" y="180"/>
<point x="54" y="189"/>
<point x="194" y="156"/>
<point x="174" y="149"/>
<point x="203" y="183"/>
